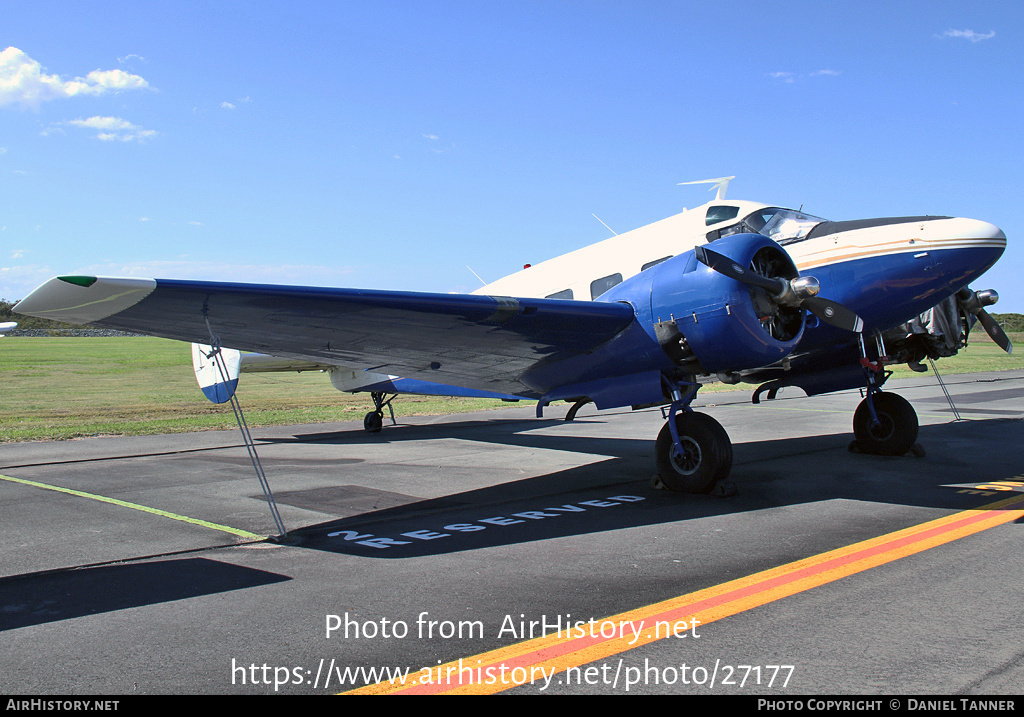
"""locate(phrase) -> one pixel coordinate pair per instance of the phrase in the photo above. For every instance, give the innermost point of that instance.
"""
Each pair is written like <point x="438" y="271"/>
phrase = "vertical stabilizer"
<point x="217" y="379"/>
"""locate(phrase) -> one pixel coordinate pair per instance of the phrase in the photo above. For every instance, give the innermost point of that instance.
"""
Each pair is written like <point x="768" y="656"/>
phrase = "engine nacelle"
<point x="710" y="323"/>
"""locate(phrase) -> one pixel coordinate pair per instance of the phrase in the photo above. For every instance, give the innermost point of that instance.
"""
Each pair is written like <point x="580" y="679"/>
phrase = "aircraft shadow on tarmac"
<point x="61" y="595"/>
<point x="616" y="493"/>
<point x="469" y="429"/>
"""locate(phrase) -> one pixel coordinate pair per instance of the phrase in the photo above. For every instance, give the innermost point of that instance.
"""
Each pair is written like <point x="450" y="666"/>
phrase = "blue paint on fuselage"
<point x="430" y="388"/>
<point x="890" y="290"/>
<point x="884" y="291"/>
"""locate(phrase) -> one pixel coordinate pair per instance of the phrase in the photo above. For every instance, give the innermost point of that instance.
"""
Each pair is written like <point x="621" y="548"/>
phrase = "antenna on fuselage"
<point x="605" y="225"/>
<point x="721" y="183"/>
<point x="476" y="275"/>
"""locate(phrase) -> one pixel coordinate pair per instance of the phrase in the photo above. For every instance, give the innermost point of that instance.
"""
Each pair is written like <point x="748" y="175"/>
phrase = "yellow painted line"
<point x="556" y="653"/>
<point x="136" y="506"/>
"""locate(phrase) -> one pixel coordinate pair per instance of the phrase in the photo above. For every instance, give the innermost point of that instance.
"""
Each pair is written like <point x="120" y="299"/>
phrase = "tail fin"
<point x="217" y="384"/>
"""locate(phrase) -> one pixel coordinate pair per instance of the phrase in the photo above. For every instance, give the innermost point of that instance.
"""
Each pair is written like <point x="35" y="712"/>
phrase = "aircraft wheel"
<point x="897" y="429"/>
<point x="373" y="422"/>
<point x="706" y="456"/>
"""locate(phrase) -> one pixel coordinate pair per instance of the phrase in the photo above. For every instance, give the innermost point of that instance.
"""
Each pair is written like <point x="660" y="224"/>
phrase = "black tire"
<point x="707" y="455"/>
<point x="897" y="429"/>
<point x="373" y="422"/>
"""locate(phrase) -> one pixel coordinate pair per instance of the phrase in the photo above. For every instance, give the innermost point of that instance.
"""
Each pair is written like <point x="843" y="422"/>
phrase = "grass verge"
<point x="59" y="388"/>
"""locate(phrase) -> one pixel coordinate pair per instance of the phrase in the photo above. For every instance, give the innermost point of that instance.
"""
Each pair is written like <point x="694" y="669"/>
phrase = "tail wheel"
<point x="705" y="458"/>
<point x="373" y="422"/>
<point x="896" y="430"/>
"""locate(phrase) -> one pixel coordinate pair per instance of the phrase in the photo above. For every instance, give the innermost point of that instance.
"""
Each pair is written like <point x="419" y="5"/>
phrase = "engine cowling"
<point x="710" y="323"/>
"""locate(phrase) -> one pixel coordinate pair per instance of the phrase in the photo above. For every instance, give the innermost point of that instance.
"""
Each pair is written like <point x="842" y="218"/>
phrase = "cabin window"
<point x="602" y="285"/>
<point x="563" y="294"/>
<point x="649" y="264"/>
<point x="720" y="213"/>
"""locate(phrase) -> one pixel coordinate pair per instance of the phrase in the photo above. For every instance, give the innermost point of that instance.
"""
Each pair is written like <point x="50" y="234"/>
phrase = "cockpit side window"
<point x="720" y="213"/>
<point x="784" y="226"/>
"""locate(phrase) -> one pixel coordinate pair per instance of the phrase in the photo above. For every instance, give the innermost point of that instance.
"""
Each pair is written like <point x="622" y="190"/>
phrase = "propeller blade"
<point x="974" y="302"/>
<point x="994" y="330"/>
<point x="832" y="312"/>
<point x="725" y="265"/>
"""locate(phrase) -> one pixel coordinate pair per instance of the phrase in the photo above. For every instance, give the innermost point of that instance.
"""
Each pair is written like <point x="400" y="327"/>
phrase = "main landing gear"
<point x="884" y="424"/>
<point x="374" y="420"/>
<point x="694" y="453"/>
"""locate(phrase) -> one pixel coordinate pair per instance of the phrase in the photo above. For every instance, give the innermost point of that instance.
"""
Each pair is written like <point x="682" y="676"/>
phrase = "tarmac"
<point x="143" y="565"/>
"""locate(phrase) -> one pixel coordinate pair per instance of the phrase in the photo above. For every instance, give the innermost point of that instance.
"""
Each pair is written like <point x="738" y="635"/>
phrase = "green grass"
<point x="981" y="355"/>
<point x="60" y="388"/>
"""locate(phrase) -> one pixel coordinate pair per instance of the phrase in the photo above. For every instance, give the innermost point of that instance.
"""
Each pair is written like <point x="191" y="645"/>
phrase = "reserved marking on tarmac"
<point x="136" y="506"/>
<point x="556" y="653"/>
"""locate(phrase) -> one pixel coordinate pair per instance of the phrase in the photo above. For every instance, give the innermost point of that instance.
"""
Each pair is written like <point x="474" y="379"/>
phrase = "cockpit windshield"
<point x="784" y="226"/>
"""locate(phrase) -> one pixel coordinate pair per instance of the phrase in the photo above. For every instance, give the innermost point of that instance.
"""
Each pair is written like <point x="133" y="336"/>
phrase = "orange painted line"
<point x="837" y="254"/>
<point x="532" y="660"/>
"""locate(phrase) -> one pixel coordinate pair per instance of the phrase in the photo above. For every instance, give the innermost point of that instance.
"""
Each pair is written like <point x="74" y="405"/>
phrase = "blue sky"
<point x="391" y="144"/>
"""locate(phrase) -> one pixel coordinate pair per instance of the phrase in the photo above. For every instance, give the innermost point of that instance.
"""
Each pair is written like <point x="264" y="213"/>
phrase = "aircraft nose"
<point x="960" y="233"/>
<point x="979" y="232"/>
<point x="962" y="248"/>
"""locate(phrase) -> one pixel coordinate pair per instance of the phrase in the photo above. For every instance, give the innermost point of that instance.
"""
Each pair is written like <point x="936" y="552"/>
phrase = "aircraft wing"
<point x="482" y="342"/>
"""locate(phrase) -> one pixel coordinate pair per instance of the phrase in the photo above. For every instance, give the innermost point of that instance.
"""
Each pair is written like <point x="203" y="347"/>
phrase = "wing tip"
<point x="83" y="281"/>
<point x="79" y="299"/>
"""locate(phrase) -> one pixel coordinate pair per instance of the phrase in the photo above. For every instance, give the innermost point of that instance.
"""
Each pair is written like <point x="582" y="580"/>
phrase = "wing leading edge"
<point x="482" y="342"/>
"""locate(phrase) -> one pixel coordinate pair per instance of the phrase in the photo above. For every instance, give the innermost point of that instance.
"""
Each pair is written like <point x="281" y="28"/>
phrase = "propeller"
<point x="974" y="302"/>
<point x="799" y="292"/>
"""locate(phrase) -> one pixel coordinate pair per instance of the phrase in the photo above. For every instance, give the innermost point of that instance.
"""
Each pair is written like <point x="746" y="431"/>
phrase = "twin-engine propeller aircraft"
<point x="732" y="290"/>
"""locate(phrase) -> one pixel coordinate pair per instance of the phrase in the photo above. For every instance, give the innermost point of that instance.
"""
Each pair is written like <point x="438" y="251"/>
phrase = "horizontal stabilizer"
<point x="265" y="363"/>
<point x="216" y="372"/>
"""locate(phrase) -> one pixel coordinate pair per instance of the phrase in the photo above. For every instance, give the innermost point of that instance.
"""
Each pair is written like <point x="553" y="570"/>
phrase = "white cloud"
<point x="431" y="136"/>
<point x="792" y="77"/>
<point x="23" y="82"/>
<point x="17" y="281"/>
<point x="97" y="122"/>
<point x="17" y="253"/>
<point x="967" y="35"/>
<point x="232" y="105"/>
<point x="113" y="129"/>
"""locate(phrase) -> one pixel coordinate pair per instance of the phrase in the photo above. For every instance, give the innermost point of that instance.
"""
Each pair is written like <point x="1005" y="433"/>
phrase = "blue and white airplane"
<point x="732" y="291"/>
